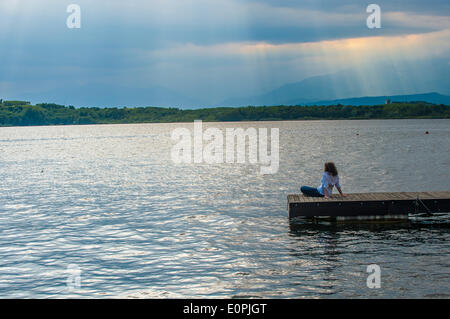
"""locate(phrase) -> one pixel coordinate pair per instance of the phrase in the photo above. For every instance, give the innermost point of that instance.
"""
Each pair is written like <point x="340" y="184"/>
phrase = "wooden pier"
<point x="369" y="205"/>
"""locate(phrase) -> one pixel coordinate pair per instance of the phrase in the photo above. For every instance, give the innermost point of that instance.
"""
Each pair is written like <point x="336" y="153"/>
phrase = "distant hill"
<point x="434" y="98"/>
<point x="351" y="83"/>
<point x="351" y="87"/>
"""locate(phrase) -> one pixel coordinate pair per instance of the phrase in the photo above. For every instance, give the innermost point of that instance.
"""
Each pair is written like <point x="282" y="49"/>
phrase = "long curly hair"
<point x="330" y="168"/>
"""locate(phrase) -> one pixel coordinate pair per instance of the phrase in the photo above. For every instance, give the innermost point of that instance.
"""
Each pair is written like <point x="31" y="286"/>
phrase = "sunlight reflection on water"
<point x="108" y="199"/>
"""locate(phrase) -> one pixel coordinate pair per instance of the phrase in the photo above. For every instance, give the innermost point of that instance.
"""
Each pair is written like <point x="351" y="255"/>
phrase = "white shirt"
<point x="328" y="181"/>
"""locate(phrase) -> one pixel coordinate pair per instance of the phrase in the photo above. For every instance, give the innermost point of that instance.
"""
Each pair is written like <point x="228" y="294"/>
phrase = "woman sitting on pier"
<point x="330" y="178"/>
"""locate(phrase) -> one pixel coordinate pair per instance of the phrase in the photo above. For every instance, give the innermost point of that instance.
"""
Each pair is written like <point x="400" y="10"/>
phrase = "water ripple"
<point x="108" y="200"/>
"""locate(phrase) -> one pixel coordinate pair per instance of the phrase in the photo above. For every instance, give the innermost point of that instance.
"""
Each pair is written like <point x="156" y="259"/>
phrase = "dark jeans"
<point x="310" y="191"/>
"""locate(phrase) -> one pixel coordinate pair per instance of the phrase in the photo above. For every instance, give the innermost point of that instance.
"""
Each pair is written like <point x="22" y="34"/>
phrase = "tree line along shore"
<point x="21" y="113"/>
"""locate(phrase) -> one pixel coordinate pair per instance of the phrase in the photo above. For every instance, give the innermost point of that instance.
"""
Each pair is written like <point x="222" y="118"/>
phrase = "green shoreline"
<point x="21" y="113"/>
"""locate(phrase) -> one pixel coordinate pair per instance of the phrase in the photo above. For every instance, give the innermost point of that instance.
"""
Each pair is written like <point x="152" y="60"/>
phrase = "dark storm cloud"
<point x="118" y="40"/>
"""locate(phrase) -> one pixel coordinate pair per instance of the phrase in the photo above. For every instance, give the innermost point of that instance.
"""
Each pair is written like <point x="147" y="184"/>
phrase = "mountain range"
<point x="433" y="97"/>
<point x="352" y="87"/>
<point x="348" y="84"/>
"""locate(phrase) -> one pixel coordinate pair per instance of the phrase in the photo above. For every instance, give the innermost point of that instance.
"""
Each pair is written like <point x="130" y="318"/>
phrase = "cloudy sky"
<point x="207" y="51"/>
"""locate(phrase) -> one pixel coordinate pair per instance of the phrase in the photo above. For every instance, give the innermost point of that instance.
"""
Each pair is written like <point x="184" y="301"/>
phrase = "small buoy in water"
<point x="427" y="132"/>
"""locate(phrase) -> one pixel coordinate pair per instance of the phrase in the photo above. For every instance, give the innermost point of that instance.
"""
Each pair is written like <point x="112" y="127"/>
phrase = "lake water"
<point x="108" y="201"/>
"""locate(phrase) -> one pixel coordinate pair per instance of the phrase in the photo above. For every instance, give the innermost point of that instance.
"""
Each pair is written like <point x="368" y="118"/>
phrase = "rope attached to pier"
<point x="418" y="200"/>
